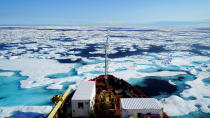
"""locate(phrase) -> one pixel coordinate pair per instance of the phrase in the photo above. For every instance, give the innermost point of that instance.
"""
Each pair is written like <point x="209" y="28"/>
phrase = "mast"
<point x="106" y="57"/>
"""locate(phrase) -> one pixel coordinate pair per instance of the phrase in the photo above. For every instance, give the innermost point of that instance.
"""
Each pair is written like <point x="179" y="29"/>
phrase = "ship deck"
<point x="108" y="94"/>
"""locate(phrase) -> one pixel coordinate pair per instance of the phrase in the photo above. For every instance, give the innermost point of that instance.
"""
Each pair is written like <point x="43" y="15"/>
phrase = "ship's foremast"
<point x="106" y="59"/>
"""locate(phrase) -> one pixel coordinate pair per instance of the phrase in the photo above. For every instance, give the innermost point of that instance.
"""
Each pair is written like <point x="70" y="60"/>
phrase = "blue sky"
<point x="104" y="12"/>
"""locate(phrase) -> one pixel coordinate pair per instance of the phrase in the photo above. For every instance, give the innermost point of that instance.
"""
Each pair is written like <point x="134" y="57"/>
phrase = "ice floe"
<point x="175" y="105"/>
<point x="8" y="111"/>
<point x="6" y="73"/>
<point x="35" y="69"/>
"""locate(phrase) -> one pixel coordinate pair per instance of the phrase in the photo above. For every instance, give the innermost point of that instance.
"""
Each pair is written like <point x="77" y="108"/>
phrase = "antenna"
<point x="106" y="56"/>
<point x="163" y="102"/>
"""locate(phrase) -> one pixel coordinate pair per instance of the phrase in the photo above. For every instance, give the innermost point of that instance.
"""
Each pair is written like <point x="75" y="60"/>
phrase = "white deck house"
<point x="140" y="108"/>
<point x="83" y="99"/>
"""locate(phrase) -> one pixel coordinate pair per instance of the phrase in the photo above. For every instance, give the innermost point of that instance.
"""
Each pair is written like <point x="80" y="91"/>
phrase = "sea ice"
<point x="6" y="73"/>
<point x="185" y="47"/>
<point x="8" y="111"/>
<point x="175" y="106"/>
<point x="36" y="69"/>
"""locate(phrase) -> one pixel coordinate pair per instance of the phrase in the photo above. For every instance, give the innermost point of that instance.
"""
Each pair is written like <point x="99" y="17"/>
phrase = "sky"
<point x="105" y="12"/>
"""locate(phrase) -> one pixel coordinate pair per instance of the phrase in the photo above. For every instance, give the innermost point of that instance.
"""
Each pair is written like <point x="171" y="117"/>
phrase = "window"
<point x="80" y="105"/>
<point x="148" y="113"/>
<point x="139" y="115"/>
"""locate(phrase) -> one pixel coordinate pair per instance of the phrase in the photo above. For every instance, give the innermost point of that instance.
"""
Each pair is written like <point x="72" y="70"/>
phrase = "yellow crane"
<point x="58" y="100"/>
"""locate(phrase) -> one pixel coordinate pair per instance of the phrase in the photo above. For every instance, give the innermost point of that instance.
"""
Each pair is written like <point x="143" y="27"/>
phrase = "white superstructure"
<point x="139" y="107"/>
<point x="83" y="99"/>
